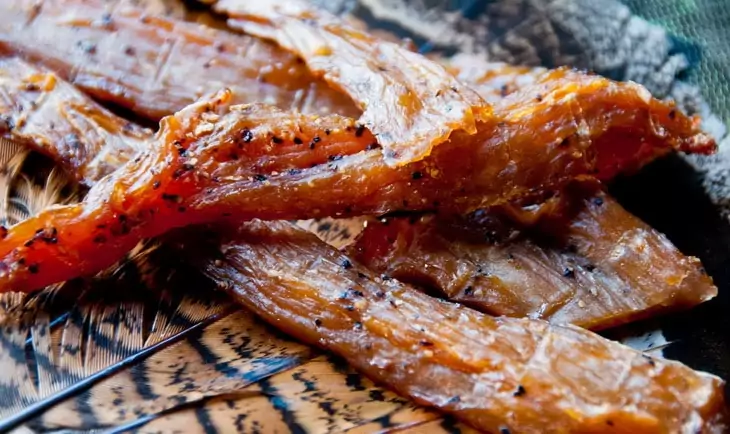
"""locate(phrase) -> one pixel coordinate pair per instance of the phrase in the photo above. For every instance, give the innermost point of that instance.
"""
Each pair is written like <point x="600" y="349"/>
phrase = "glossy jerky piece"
<point x="213" y="160"/>
<point x="521" y="375"/>
<point x="477" y="294"/>
<point x="409" y="102"/>
<point x="154" y="65"/>
<point x="40" y="110"/>
<point x="603" y="266"/>
<point x="534" y="146"/>
<point x="207" y="145"/>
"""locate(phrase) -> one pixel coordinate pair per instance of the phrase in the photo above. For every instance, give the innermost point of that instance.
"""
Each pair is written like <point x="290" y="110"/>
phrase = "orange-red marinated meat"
<point x="196" y="151"/>
<point x="156" y="66"/>
<point x="409" y="102"/>
<point x="498" y="374"/>
<point x="42" y="111"/>
<point x="600" y="267"/>
<point x="213" y="160"/>
<point x="517" y="278"/>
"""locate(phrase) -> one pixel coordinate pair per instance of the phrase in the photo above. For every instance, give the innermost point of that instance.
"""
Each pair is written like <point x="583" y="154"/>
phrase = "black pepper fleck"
<point x="569" y="273"/>
<point x="248" y="135"/>
<point x="598" y="201"/>
<point x="156" y="185"/>
<point x="297" y="141"/>
<point x="106" y="20"/>
<point x="417" y="175"/>
<point x="33" y="268"/>
<point x="346" y="264"/>
<point x="171" y="197"/>
<point x="469" y="290"/>
<point x="425" y="343"/>
<point x="360" y="130"/>
<point x="672" y="114"/>
<point x="519" y="392"/>
<point x="260" y="178"/>
<point x="72" y="140"/>
<point x="318" y="322"/>
<point x="277" y="140"/>
<point x="649" y="360"/>
<point x="88" y="47"/>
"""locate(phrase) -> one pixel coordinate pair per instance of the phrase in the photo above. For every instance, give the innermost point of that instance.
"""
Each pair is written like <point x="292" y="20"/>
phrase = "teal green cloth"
<point x="702" y="28"/>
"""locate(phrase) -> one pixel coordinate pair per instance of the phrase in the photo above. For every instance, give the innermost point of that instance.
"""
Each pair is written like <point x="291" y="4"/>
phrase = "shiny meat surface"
<point x="409" y="102"/>
<point x="491" y="80"/>
<point x="517" y="278"/>
<point x="213" y="160"/>
<point x="600" y="267"/>
<point x="520" y="375"/>
<point x="41" y="110"/>
<point x="156" y="66"/>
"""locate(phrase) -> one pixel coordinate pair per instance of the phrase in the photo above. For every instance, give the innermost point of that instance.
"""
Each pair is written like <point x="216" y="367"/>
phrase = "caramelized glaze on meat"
<point x="213" y="160"/>
<point x="40" y="110"/>
<point x="409" y="102"/>
<point x="520" y="375"/>
<point x="156" y="66"/>
<point x="600" y="268"/>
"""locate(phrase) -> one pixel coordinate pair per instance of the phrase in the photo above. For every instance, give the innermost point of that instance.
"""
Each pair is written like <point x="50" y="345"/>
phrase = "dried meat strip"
<point x="498" y="374"/>
<point x="214" y="160"/>
<point x="154" y="65"/>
